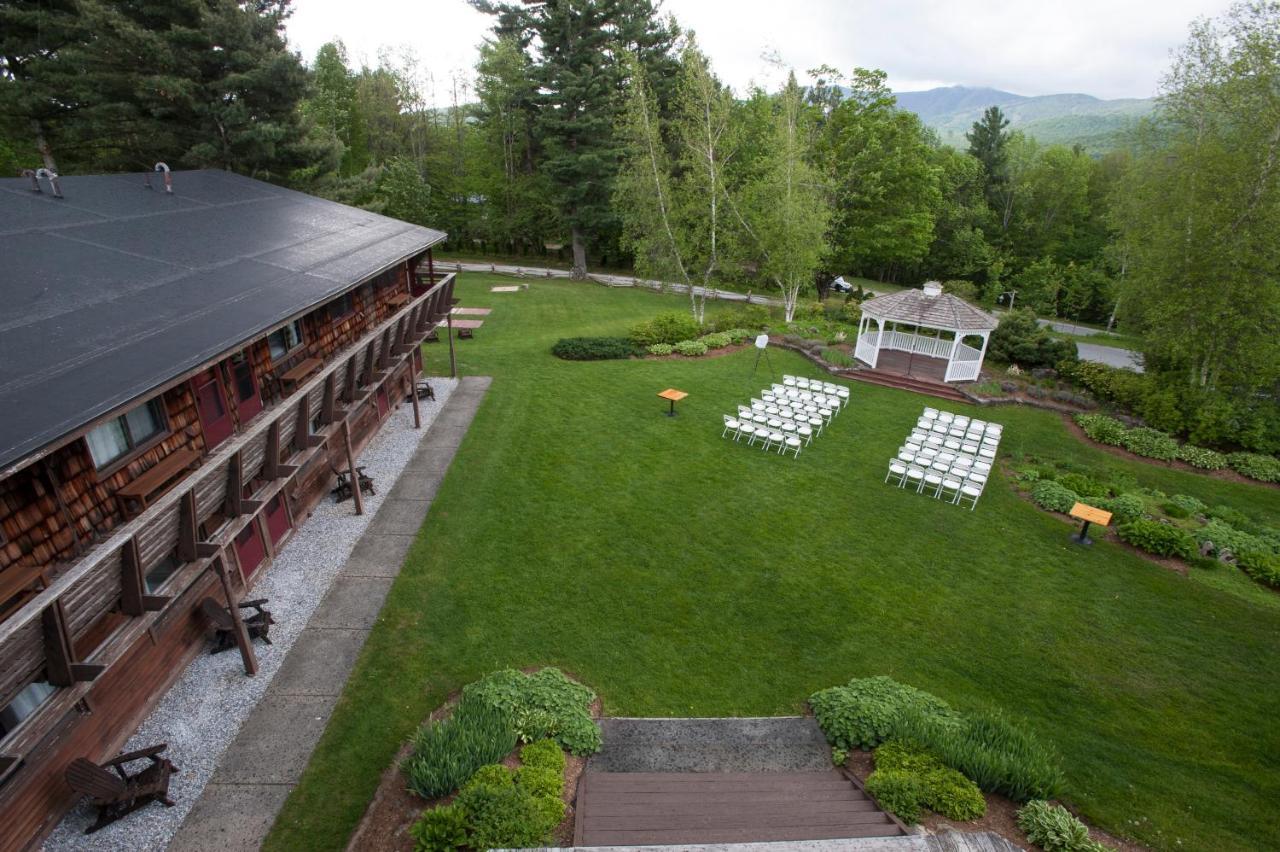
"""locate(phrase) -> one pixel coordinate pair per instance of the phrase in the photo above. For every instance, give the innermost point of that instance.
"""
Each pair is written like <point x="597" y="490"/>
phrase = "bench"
<point x="300" y="372"/>
<point x="397" y="299"/>
<point x="257" y="624"/>
<point x="152" y="481"/>
<point x="120" y="794"/>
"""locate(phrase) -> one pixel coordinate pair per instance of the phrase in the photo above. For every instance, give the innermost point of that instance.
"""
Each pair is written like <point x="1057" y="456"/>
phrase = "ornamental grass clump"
<point x="446" y="753"/>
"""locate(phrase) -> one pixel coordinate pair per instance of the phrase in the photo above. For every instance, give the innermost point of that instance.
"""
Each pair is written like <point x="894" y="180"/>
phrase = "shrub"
<point x="1082" y="485"/>
<point x="836" y="357"/>
<point x="691" y="348"/>
<point x="1174" y="510"/>
<point x="898" y="792"/>
<point x="446" y="753"/>
<point x="1160" y="539"/>
<point x="1124" y="508"/>
<point x="494" y="776"/>
<point x="503" y="818"/>
<point x="1261" y="565"/>
<point x="866" y="711"/>
<point x="1053" y="496"/>
<point x="1019" y="339"/>
<point x="1124" y="387"/>
<point x="668" y="327"/>
<point x="1201" y="457"/>
<point x="1226" y="537"/>
<point x="1054" y="829"/>
<point x="543" y="753"/>
<point x="1186" y="501"/>
<point x="943" y="789"/>
<point x="997" y="753"/>
<point x="716" y="340"/>
<point x="542" y="704"/>
<point x="1101" y="428"/>
<point x="1255" y="466"/>
<point x="747" y="317"/>
<point x="440" y="830"/>
<point x="593" y="348"/>
<point x="839" y="755"/>
<point x="738" y="335"/>
<point x="1151" y="443"/>
<point x="1231" y="516"/>
<point x="541" y="780"/>
<point x="661" y="349"/>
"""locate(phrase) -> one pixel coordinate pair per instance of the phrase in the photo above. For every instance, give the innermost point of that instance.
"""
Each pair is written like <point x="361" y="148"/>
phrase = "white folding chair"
<point x="774" y="422"/>
<point x="750" y="431"/>
<point x="805" y="431"/>
<point x="731" y="425"/>
<point x="932" y="482"/>
<point x="971" y="449"/>
<point x="768" y="397"/>
<point x="914" y="477"/>
<point x="934" y="440"/>
<point x="897" y="472"/>
<point x="945" y="416"/>
<point x="816" y="422"/>
<point x="789" y="381"/>
<point x="930" y="413"/>
<point x="987" y="453"/>
<point x="950" y="486"/>
<point x="951" y="444"/>
<point x="788" y="428"/>
<point x="775" y="439"/>
<point x="969" y="492"/>
<point x="792" y="444"/>
<point x="981" y="467"/>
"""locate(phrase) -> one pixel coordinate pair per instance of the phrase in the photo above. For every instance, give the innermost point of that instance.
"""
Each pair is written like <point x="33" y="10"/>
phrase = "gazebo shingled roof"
<point x="915" y="307"/>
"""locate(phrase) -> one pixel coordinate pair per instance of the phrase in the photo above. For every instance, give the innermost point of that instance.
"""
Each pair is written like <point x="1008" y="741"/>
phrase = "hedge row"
<point x="1155" y="444"/>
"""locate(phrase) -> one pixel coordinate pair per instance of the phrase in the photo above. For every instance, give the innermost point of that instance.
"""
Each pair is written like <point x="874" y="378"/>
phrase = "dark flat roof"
<point x="115" y="289"/>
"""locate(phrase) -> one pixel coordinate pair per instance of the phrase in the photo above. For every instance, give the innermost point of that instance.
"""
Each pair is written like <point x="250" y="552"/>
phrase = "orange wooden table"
<point x="1089" y="515"/>
<point x="674" y="396"/>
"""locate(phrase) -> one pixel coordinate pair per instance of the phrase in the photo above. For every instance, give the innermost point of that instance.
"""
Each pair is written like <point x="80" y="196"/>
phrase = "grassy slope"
<point x="680" y="574"/>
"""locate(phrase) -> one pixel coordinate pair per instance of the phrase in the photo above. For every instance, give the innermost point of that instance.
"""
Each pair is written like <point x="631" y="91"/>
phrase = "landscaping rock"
<point x="1206" y="548"/>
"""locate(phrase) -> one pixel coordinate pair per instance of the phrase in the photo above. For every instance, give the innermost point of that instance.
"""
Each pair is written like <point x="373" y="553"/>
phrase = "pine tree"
<point x="988" y="141"/>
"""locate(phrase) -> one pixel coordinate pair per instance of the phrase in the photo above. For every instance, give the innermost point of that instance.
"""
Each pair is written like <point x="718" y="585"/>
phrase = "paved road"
<point x="1113" y="356"/>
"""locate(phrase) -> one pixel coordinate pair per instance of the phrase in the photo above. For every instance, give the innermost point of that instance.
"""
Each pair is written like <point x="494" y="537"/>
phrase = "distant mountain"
<point x="1094" y="123"/>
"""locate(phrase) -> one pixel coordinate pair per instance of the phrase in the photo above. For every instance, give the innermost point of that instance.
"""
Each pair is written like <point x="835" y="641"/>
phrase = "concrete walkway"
<point x="767" y="744"/>
<point x="266" y="760"/>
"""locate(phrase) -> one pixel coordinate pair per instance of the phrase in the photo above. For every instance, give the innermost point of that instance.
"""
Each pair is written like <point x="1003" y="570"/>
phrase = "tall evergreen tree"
<point x="988" y="141"/>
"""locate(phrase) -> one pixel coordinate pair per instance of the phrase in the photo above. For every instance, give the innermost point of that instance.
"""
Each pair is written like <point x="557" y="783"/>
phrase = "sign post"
<point x="1088" y="515"/>
<point x="762" y="342"/>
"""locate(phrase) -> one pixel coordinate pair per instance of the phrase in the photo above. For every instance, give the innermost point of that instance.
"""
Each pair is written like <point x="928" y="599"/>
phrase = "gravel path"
<point x="203" y="711"/>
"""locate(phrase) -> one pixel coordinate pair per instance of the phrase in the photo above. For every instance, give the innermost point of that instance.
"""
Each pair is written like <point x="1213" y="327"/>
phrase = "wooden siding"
<point x="145" y="653"/>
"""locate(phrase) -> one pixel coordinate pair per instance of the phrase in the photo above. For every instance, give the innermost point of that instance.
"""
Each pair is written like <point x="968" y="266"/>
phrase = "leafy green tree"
<point x="40" y="73"/>
<point x="333" y="110"/>
<point x="884" y="186"/>
<point x="1198" y="214"/>
<point x="959" y="248"/>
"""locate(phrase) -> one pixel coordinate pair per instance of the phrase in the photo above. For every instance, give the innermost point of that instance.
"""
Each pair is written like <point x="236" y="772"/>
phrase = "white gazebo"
<point x="931" y="327"/>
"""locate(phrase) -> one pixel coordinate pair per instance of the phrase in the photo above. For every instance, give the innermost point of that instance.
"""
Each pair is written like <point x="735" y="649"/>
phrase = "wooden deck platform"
<point x="664" y="808"/>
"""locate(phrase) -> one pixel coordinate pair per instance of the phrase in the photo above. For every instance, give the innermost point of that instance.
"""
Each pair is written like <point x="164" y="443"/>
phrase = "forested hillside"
<point x="599" y="131"/>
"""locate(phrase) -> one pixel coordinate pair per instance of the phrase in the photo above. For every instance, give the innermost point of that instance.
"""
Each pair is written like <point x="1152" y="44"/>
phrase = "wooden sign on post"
<point x="1088" y="515"/>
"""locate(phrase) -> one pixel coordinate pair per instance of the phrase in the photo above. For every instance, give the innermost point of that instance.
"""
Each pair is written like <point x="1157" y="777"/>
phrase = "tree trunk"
<point x="46" y="153"/>
<point x="579" y="270"/>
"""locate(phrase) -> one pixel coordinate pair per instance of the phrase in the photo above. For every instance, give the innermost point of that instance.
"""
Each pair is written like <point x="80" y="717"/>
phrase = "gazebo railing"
<point x="865" y="351"/>
<point x="965" y="366"/>
<point x="905" y="341"/>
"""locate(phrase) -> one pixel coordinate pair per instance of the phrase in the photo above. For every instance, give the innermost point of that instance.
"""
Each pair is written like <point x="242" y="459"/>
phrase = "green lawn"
<point x="680" y="574"/>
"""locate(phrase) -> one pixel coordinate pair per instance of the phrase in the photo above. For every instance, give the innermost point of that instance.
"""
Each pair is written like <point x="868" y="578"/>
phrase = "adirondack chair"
<point x="424" y="390"/>
<point x="120" y="794"/>
<point x="432" y="337"/>
<point x="258" y="624"/>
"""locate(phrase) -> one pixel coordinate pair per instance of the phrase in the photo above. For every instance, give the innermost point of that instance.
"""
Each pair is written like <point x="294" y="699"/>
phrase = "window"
<point x="282" y="341"/>
<point x="23" y="705"/>
<point x="316" y="425"/>
<point x="121" y="436"/>
<point x="342" y="307"/>
<point x="160" y="573"/>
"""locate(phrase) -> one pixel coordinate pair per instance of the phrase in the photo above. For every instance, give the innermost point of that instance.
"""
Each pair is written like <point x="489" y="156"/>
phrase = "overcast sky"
<point x="1108" y="48"/>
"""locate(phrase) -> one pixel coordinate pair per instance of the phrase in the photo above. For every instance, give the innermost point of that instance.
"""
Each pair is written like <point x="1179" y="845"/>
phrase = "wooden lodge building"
<point x="182" y="374"/>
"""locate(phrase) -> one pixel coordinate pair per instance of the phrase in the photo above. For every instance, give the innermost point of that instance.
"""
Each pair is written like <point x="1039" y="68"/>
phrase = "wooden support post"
<point x="242" y="635"/>
<point x="329" y="404"/>
<point x="384" y="350"/>
<point x="351" y="467"/>
<point x="57" y="646"/>
<point x="413" y="386"/>
<point x="131" y="584"/>
<point x="271" y="467"/>
<point x="369" y="354"/>
<point x="349" y="392"/>
<point x="431" y="267"/>
<point x="187" y="527"/>
<point x="453" y="359"/>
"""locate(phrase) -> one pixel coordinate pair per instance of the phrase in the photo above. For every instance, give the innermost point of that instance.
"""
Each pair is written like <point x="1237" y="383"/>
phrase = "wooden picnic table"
<point x="151" y="481"/>
<point x="674" y="396"/>
<point x="395" y="300"/>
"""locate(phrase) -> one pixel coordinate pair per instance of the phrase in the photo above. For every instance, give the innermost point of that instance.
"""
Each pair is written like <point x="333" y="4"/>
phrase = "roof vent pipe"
<point x="932" y="289"/>
<point x="168" y="179"/>
<point x="31" y="173"/>
<point x="52" y="177"/>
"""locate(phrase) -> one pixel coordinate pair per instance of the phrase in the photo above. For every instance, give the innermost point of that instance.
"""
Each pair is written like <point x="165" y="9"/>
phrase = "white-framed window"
<point x="284" y="340"/>
<point x="122" y="435"/>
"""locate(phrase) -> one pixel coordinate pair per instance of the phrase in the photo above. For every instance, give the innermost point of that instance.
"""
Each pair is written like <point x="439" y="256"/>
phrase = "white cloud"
<point x="1108" y="48"/>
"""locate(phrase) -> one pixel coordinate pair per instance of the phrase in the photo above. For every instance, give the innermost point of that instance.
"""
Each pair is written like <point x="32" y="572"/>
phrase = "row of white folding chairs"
<point x="814" y="384"/>
<point x="804" y="425"/>
<point x="965" y="467"/>
<point x="834" y="399"/>
<point x="794" y="397"/>
<point x="939" y="484"/>
<point x="928" y="455"/>
<point x="776" y="408"/>
<point x="767" y="436"/>
<point x="985" y="448"/>
<point x="937" y="427"/>
<point x="961" y="421"/>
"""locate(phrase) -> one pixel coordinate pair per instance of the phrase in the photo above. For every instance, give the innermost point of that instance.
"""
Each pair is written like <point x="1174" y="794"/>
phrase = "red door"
<point x="211" y="404"/>
<point x="250" y="549"/>
<point x="277" y="515"/>
<point x="248" y="401"/>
